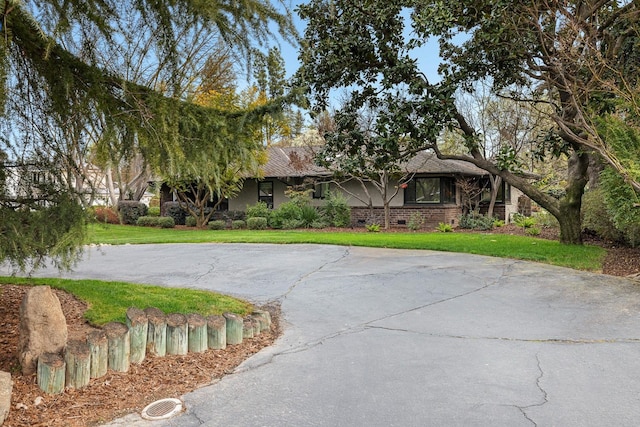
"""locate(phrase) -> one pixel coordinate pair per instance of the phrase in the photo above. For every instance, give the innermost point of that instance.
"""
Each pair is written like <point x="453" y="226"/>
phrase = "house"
<point x="439" y="190"/>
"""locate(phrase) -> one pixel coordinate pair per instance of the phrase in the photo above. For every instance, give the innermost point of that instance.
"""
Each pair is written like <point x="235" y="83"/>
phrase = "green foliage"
<point x="524" y="221"/>
<point x="545" y="219"/>
<point x="287" y="215"/>
<point x="416" y="221"/>
<point x="175" y="211"/>
<point x="153" y="211"/>
<point x="532" y="231"/>
<point x="373" y="228"/>
<point x="595" y="217"/>
<point x="260" y="209"/>
<point x="217" y="224"/>
<point x="238" y="224"/>
<point x="256" y="223"/>
<point x="190" y="221"/>
<point x="620" y="199"/>
<point x="130" y="211"/>
<point x="336" y="211"/>
<point x="156" y="221"/>
<point x="497" y="223"/>
<point x="444" y="228"/>
<point x="475" y="221"/>
<point x="309" y="215"/>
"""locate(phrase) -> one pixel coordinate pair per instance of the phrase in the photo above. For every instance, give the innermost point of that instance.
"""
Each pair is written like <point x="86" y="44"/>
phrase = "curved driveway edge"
<point x="378" y="337"/>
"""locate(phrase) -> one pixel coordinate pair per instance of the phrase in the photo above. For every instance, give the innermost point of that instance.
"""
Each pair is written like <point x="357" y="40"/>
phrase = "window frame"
<point x="447" y="192"/>
<point x="268" y="199"/>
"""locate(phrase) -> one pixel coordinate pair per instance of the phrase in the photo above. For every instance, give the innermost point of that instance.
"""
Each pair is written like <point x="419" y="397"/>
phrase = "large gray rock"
<point x="6" y="385"/>
<point x="43" y="327"/>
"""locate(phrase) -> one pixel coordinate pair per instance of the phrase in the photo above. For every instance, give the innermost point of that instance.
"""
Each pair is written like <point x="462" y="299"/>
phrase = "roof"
<point x="298" y="162"/>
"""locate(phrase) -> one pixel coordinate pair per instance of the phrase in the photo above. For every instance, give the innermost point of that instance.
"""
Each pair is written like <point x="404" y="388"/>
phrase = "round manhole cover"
<point x="162" y="409"/>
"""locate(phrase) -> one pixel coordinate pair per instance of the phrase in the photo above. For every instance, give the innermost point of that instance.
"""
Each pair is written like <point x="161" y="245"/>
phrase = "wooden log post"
<point x="157" y="332"/>
<point x="77" y="358"/>
<point x="247" y="328"/>
<point x="234" y="328"/>
<point x="99" y="349"/>
<point x="257" y="328"/>
<point x="216" y="332"/>
<point x="119" y="346"/>
<point x="197" y="330"/>
<point x="51" y="373"/>
<point x="138" y="329"/>
<point x="265" y="317"/>
<point x="177" y="336"/>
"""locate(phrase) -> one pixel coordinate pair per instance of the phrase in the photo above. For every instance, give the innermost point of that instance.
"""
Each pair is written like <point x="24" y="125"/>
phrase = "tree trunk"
<point x="571" y="203"/>
<point x="496" y="182"/>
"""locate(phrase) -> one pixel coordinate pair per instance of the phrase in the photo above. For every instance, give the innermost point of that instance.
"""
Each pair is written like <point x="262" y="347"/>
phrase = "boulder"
<point x="6" y="386"/>
<point x="43" y="327"/>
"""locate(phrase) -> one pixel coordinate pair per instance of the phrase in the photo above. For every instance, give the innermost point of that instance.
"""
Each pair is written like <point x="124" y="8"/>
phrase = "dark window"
<point x="320" y="190"/>
<point x="504" y="192"/>
<point x="430" y="191"/>
<point x="265" y="193"/>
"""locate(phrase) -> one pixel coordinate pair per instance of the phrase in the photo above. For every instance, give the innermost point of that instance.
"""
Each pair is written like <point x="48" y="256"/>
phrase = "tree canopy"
<point x="579" y="57"/>
<point x="56" y="59"/>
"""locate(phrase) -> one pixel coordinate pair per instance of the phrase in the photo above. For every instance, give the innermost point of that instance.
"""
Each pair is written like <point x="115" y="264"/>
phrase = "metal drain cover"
<point x="162" y="409"/>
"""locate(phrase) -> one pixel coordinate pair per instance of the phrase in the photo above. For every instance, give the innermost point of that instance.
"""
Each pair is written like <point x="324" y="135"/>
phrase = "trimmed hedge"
<point x="131" y="210"/>
<point x="156" y="221"/>
<point x="217" y="225"/>
<point x="105" y="215"/>
<point x="175" y="211"/>
<point x="190" y="221"/>
<point x="256" y="223"/>
<point x="238" y="224"/>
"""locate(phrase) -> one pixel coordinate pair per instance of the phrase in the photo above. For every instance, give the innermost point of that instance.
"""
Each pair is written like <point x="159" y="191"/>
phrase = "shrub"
<point x="319" y="223"/>
<point x="217" y="224"/>
<point x="475" y="221"/>
<point x="156" y="221"/>
<point x="233" y="215"/>
<point x="619" y="198"/>
<point x="443" y="227"/>
<point x="175" y="211"/>
<point x="416" y="221"/>
<point x="131" y="210"/>
<point x="153" y="211"/>
<point x="336" y="212"/>
<point x="105" y="215"/>
<point x="288" y="212"/>
<point x="260" y="209"/>
<point x="190" y="221"/>
<point x="532" y="231"/>
<point x="373" y="228"/>
<point x="596" y="219"/>
<point x="238" y="224"/>
<point x="498" y="223"/>
<point x="257" y="223"/>
<point x="308" y="215"/>
<point x="524" y="221"/>
<point x="545" y="219"/>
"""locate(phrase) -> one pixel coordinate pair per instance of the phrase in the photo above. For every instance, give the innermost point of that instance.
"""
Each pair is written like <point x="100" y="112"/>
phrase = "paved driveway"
<point x="377" y="337"/>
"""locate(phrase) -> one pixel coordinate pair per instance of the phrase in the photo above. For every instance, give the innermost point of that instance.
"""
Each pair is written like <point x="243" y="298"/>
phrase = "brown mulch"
<point x="115" y="394"/>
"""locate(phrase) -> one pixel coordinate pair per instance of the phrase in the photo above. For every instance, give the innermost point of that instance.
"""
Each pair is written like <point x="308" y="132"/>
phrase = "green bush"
<point x="532" y="231"/>
<point x="153" y="211"/>
<point x="497" y="223"/>
<point x="156" y="221"/>
<point x="545" y="219"/>
<point x="596" y="219"/>
<point x="288" y="212"/>
<point x="308" y="215"/>
<point x="175" y="211"/>
<point x="130" y="210"/>
<point x="257" y="223"/>
<point x="190" y="221"/>
<point x="443" y="227"/>
<point x="416" y="221"/>
<point x="336" y="212"/>
<point x="238" y="224"/>
<point x="217" y="224"/>
<point x="620" y="198"/>
<point x="319" y="223"/>
<point x="373" y="228"/>
<point x="260" y="209"/>
<point x="524" y="221"/>
<point x="476" y="221"/>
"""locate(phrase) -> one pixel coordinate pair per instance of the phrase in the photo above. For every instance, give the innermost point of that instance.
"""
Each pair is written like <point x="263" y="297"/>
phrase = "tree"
<point x="574" y="56"/>
<point x="51" y="53"/>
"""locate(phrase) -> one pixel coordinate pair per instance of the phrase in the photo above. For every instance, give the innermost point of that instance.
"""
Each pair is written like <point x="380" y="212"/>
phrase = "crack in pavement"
<point x="344" y="255"/>
<point x="545" y="395"/>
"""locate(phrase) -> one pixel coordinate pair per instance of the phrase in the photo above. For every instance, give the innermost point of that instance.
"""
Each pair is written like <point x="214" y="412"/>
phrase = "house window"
<point x="504" y="192"/>
<point x="320" y="190"/>
<point x="434" y="190"/>
<point x="265" y="193"/>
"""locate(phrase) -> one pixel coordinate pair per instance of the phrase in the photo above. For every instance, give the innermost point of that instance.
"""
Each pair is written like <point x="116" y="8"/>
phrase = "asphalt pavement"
<point x="381" y="337"/>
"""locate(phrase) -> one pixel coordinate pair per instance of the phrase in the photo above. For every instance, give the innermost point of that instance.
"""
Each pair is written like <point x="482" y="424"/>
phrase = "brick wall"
<point x="432" y="215"/>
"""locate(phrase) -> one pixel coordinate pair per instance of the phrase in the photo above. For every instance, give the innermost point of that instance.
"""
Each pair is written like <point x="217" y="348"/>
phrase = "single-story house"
<point x="437" y="189"/>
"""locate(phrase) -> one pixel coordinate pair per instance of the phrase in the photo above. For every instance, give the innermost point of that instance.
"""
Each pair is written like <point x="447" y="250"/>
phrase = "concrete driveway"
<point x="378" y="337"/>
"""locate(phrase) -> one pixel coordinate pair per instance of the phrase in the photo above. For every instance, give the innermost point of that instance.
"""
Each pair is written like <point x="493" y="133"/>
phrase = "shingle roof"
<point x="298" y="162"/>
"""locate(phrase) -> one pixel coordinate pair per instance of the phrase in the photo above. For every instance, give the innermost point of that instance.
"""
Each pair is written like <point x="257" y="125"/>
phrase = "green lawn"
<point x="499" y="245"/>
<point x="108" y="301"/>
